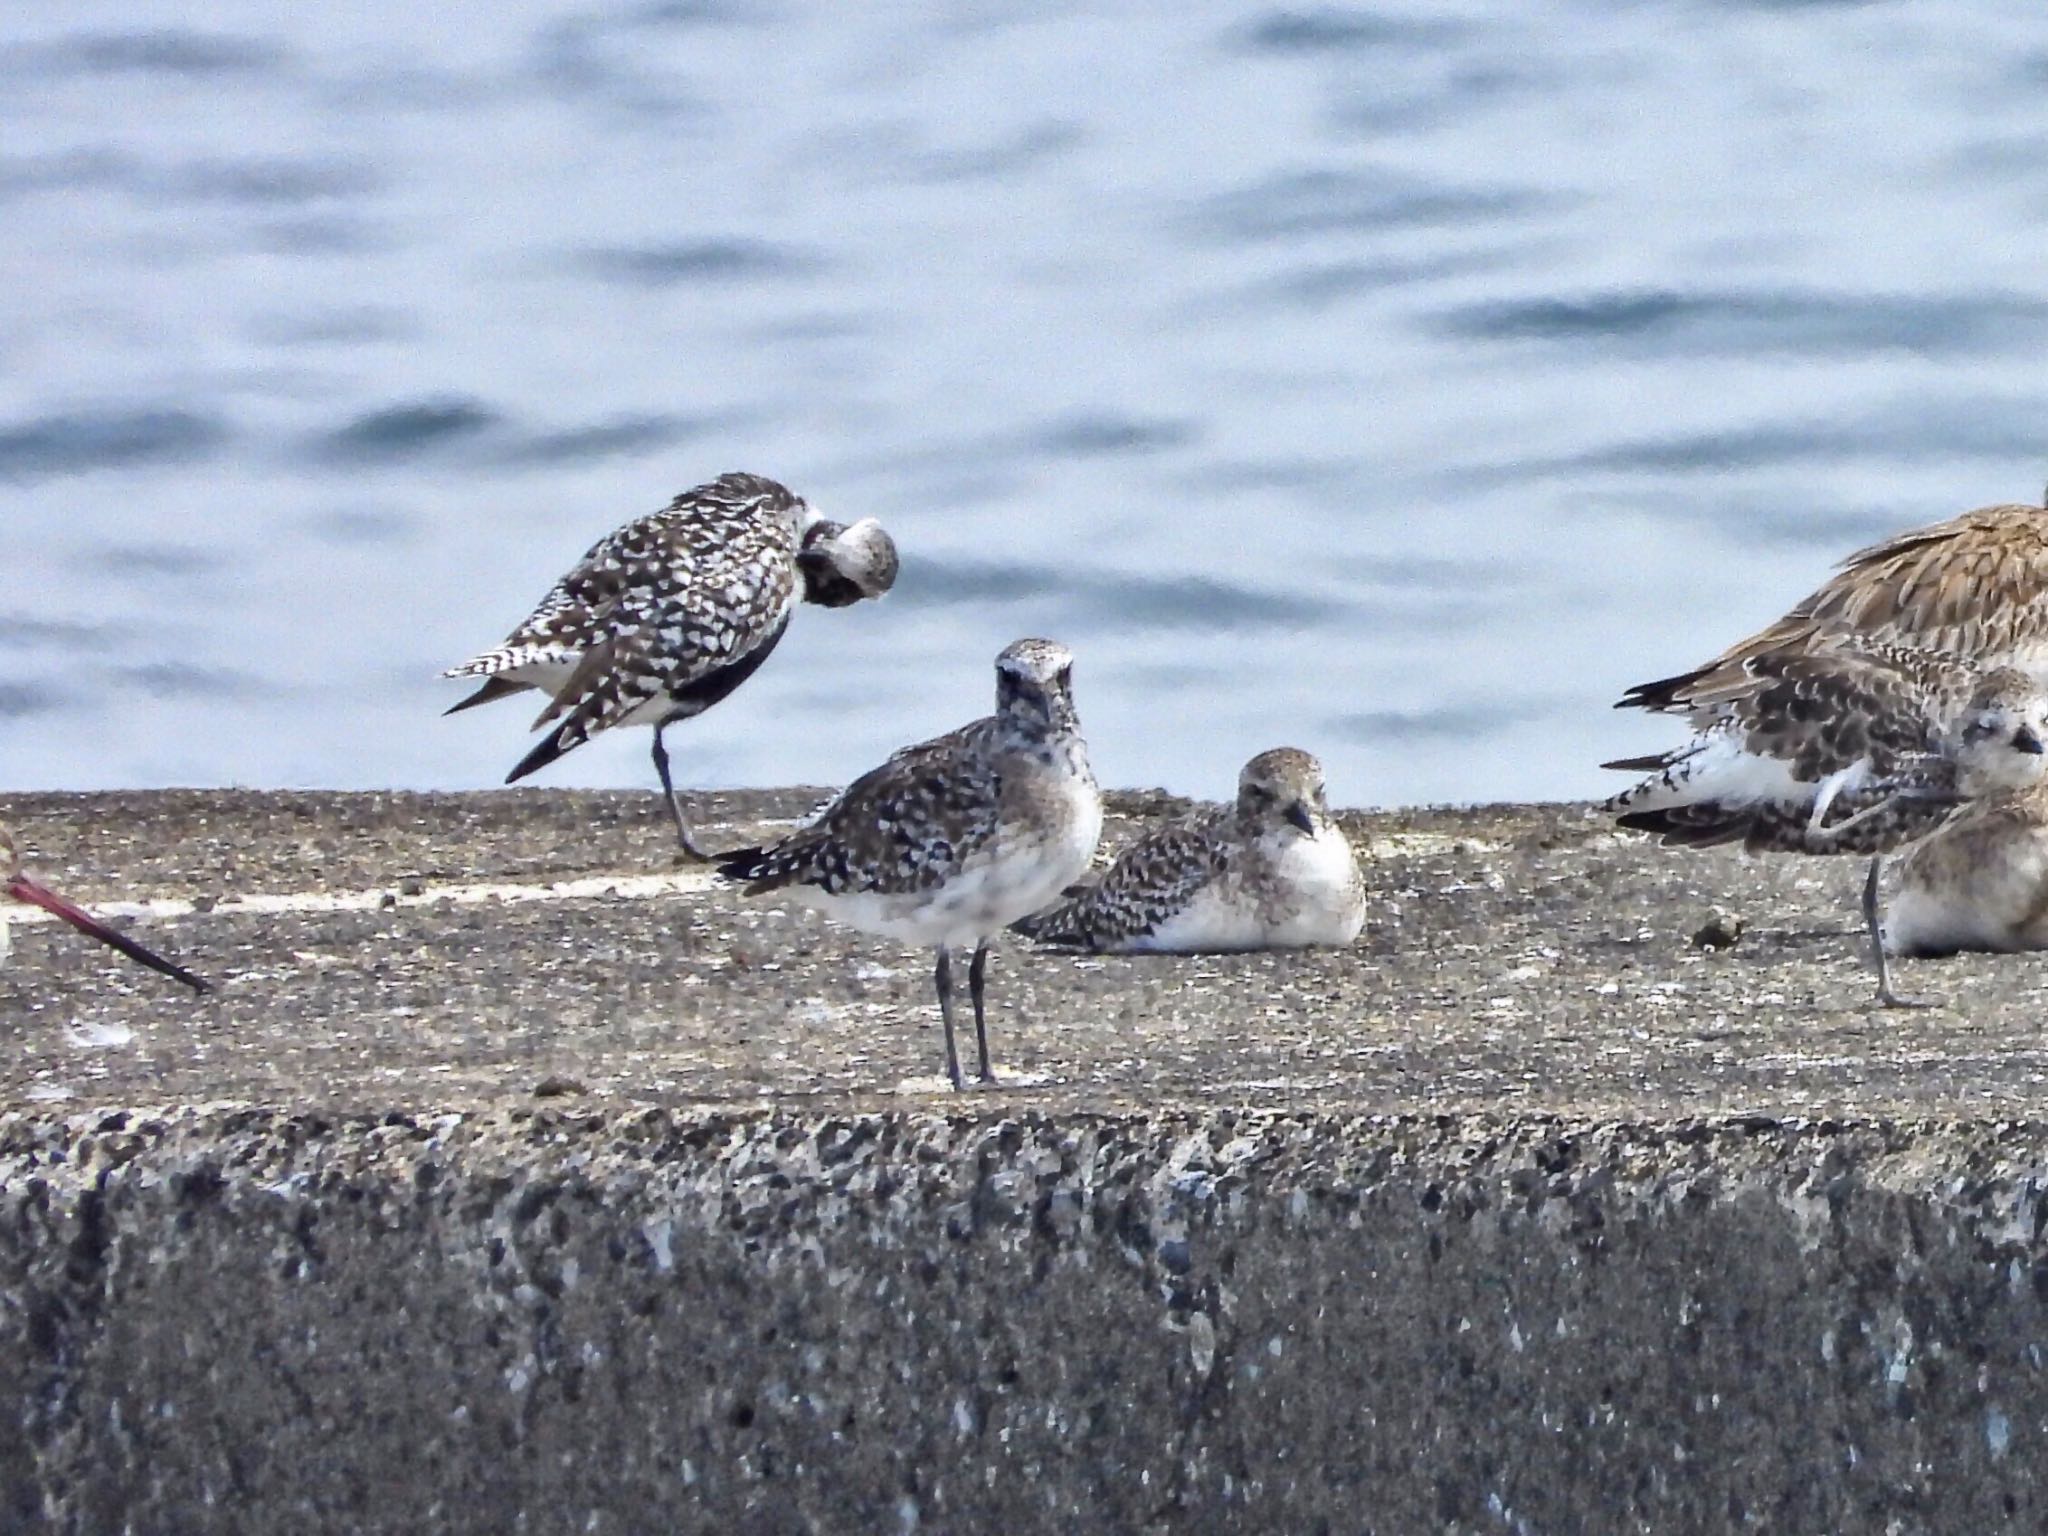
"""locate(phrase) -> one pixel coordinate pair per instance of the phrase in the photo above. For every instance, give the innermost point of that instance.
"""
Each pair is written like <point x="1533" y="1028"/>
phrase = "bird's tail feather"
<point x="494" y="688"/>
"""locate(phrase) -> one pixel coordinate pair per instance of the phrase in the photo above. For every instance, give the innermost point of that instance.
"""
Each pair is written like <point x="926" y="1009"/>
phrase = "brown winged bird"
<point x="1872" y="713"/>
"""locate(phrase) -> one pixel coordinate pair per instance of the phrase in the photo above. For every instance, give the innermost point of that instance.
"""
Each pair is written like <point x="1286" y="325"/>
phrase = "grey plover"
<point x="1981" y="882"/>
<point x="952" y="840"/>
<point x="1975" y="587"/>
<point x="15" y="882"/>
<point x="1841" y="748"/>
<point x="666" y="616"/>
<point x="1273" y="871"/>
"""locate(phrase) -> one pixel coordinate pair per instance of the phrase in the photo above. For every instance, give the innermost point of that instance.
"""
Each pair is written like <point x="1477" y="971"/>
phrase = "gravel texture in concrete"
<point x="1520" y="958"/>
<point x="558" y="1320"/>
<point x="514" y="1179"/>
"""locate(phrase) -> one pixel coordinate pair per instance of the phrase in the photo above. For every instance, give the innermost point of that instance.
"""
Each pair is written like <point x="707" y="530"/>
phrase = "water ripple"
<point x="76" y="443"/>
<point x="699" y="261"/>
<point x="39" y="633"/>
<point x="69" y="170"/>
<point x="21" y="699"/>
<point x="1911" y="432"/>
<point x="1345" y="30"/>
<point x="149" y="561"/>
<point x="1025" y="151"/>
<point x="1155" y="602"/>
<point x="336" y="327"/>
<point x="1326" y="285"/>
<point x="269" y="181"/>
<point x="176" y="680"/>
<point x="1762" y="321"/>
<point x="1100" y="434"/>
<point x="1474" y="721"/>
<point x="362" y="525"/>
<point x="409" y="430"/>
<point x="1341" y="202"/>
<point x="170" y="51"/>
<point x="632" y="434"/>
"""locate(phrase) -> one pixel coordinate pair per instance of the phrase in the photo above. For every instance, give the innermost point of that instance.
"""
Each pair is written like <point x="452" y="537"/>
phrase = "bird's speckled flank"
<point x="666" y="616"/>
<point x="1847" y="746"/>
<point x="1844" y="748"/>
<point x="1272" y="871"/>
<point x="954" y="839"/>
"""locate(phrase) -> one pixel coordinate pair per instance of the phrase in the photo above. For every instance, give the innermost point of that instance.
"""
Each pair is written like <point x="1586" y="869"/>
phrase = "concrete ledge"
<point x="648" y="1321"/>
<point x="515" y="1180"/>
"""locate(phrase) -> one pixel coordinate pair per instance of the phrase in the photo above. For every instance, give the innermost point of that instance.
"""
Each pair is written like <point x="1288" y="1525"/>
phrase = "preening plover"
<point x="952" y="840"/>
<point x="1974" y="587"/>
<point x="15" y="883"/>
<point x="669" y="614"/>
<point x="1841" y="747"/>
<point x="1273" y="871"/>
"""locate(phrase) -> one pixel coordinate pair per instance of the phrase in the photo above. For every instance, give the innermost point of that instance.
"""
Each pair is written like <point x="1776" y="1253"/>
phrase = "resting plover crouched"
<point x="1974" y="587"/>
<point x="666" y="616"/>
<point x="1845" y="748"/>
<point x="16" y="883"/>
<point x="1273" y="871"/>
<point x="1981" y="882"/>
<point x="952" y="840"/>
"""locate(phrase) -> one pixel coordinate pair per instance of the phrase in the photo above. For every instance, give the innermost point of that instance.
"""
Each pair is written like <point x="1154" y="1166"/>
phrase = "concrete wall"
<point x="634" y="1321"/>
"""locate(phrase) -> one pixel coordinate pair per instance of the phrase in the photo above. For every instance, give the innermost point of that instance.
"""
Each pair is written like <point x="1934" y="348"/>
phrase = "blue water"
<point x="1397" y="383"/>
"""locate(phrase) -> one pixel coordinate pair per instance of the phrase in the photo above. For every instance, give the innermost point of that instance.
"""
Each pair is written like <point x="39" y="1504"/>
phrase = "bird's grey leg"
<point x="943" y="977"/>
<point x="675" y="806"/>
<point x="1886" y="997"/>
<point x="975" y="973"/>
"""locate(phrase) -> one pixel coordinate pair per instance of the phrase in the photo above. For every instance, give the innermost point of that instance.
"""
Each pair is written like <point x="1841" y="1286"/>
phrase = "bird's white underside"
<point x="1325" y="899"/>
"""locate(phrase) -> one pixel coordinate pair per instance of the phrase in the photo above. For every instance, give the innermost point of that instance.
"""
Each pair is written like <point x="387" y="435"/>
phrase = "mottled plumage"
<point x="1843" y="748"/>
<point x="21" y="887"/>
<point x="1975" y="587"/>
<point x="666" y="616"/>
<point x="952" y="840"/>
<point x="1272" y="871"/>
<point x="1979" y="882"/>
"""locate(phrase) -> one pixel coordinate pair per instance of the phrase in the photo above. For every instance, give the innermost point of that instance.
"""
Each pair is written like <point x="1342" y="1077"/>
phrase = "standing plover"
<point x="667" y="615"/>
<point x="1273" y="871"/>
<point x="1975" y="587"/>
<point x="952" y="840"/>
<point x="1844" y="747"/>
<point x="15" y="883"/>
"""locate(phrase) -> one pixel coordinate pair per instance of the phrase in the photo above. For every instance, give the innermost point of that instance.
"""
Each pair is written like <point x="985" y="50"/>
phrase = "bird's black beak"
<point x="1302" y="817"/>
<point x="2025" y="739"/>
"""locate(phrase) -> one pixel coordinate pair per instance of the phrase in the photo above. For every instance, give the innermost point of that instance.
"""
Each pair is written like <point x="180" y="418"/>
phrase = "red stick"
<point x="21" y="888"/>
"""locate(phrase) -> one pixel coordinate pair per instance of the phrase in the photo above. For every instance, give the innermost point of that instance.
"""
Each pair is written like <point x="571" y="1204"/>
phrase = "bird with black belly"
<point x="666" y="616"/>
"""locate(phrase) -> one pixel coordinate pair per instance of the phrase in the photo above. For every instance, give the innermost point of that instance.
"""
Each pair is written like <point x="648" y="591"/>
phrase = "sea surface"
<point x="1395" y="381"/>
